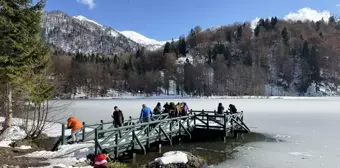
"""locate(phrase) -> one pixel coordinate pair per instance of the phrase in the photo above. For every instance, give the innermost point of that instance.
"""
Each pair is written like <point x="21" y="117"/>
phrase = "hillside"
<point x="80" y="34"/>
<point x="268" y="57"/>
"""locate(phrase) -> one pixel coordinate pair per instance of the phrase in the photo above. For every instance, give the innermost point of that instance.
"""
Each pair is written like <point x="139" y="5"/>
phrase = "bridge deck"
<point x="135" y="135"/>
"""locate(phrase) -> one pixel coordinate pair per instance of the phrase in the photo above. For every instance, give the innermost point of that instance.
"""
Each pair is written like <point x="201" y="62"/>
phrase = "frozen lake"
<point x="309" y="128"/>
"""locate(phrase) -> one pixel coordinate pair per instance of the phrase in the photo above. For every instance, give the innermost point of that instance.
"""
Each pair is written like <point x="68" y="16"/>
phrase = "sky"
<point x="167" y="19"/>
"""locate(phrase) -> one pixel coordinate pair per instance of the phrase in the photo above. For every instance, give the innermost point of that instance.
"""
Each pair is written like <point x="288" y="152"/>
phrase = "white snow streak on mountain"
<point x="83" y="18"/>
<point x="138" y="38"/>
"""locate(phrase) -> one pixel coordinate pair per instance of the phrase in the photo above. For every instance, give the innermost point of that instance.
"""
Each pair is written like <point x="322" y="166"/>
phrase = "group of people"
<point x="180" y="109"/>
<point x="231" y="110"/>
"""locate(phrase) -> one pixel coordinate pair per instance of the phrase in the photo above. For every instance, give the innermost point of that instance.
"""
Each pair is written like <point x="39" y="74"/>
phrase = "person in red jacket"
<point x="101" y="159"/>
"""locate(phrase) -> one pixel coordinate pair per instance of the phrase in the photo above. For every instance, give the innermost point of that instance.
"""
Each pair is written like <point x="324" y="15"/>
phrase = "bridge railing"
<point x="144" y="133"/>
<point x="195" y="119"/>
<point x="88" y="129"/>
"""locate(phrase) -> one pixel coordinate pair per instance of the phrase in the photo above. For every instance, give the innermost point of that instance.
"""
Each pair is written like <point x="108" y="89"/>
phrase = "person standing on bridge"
<point x="220" y="109"/>
<point x="145" y="114"/>
<point x="118" y="117"/>
<point x="76" y="126"/>
<point x="232" y="109"/>
<point x="158" y="109"/>
<point x="185" y="109"/>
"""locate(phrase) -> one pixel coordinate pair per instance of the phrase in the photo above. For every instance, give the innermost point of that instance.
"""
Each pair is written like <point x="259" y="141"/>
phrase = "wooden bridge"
<point x="135" y="135"/>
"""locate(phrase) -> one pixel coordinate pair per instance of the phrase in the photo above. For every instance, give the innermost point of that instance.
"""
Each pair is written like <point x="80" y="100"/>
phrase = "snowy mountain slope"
<point x="142" y="40"/>
<point x="80" y="34"/>
<point x="84" y="19"/>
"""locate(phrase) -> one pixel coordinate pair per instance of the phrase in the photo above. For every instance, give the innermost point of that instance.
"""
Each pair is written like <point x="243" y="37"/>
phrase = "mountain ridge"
<point x="80" y="34"/>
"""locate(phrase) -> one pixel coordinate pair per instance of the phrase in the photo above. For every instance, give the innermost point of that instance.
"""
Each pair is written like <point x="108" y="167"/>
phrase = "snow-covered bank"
<point x="17" y="132"/>
<point x="66" y="156"/>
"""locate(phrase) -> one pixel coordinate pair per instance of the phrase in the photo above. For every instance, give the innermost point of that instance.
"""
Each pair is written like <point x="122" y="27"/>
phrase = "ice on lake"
<point x="308" y="128"/>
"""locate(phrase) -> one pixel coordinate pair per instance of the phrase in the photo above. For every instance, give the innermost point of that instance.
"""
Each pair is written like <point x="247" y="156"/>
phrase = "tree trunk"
<point x="9" y="115"/>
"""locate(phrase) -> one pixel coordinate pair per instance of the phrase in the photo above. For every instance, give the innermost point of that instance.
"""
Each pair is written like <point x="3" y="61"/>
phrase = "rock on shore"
<point x="175" y="159"/>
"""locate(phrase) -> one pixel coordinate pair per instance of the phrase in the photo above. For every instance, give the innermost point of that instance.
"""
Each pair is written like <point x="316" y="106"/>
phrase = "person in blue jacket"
<point x="145" y="114"/>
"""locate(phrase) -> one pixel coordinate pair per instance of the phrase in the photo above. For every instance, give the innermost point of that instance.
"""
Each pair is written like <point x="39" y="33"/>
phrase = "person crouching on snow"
<point x="101" y="159"/>
<point x="76" y="126"/>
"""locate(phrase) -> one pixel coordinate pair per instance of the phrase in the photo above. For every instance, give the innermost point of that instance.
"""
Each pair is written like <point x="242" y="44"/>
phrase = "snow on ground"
<point x="66" y="156"/>
<point x="24" y="147"/>
<point x="17" y="132"/>
<point x="172" y="157"/>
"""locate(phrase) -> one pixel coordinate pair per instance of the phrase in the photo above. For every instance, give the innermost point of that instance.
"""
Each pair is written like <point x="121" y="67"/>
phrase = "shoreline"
<point x="211" y="97"/>
<point x="212" y="151"/>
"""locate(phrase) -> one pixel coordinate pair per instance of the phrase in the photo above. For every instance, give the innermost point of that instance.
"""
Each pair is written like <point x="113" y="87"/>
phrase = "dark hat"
<point x="105" y="151"/>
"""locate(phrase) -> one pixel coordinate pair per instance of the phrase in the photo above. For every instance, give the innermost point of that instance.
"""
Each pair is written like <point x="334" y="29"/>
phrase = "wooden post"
<point x="130" y="120"/>
<point x="171" y="123"/>
<point x="133" y="158"/>
<point x="63" y="139"/>
<point x="242" y="116"/>
<point x="96" y="141"/>
<point x="225" y="127"/>
<point x="148" y="136"/>
<point x="117" y="146"/>
<point x="215" y="113"/>
<point x="202" y="114"/>
<point x="133" y="137"/>
<point x="159" y="134"/>
<point x="84" y="131"/>
<point x="194" y="120"/>
<point x="188" y="122"/>
<point x="190" y="111"/>
<point x="101" y="135"/>
<point x="207" y="121"/>
<point x="232" y="125"/>
<point x="160" y="148"/>
<point x="179" y="132"/>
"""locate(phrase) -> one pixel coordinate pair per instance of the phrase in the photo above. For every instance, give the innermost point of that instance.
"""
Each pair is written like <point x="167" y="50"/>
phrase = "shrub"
<point x="116" y="165"/>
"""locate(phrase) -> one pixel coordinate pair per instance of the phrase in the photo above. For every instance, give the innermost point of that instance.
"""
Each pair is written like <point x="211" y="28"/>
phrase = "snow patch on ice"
<point x="172" y="157"/>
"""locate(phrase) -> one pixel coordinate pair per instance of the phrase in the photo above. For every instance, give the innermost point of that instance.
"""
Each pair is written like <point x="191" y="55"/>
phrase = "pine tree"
<point x="182" y="47"/>
<point x="305" y="79"/>
<point x="273" y="21"/>
<point x="239" y="33"/>
<point x="229" y="36"/>
<point x="317" y="28"/>
<point x="314" y="66"/>
<point x="197" y="29"/>
<point x="285" y="36"/>
<point x="331" y="19"/>
<point x="209" y="56"/>
<point x="257" y="31"/>
<point x="24" y="59"/>
<point x="167" y="48"/>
